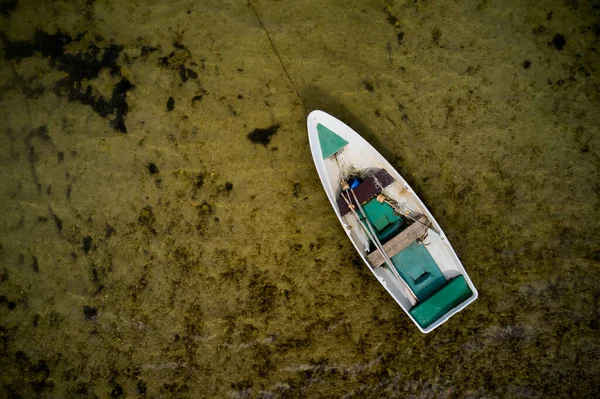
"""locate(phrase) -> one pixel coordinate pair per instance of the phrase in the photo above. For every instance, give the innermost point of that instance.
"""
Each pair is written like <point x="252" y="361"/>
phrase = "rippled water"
<point x="163" y="232"/>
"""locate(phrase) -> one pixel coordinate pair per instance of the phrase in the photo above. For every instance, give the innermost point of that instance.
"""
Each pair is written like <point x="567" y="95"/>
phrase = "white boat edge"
<point x="328" y="174"/>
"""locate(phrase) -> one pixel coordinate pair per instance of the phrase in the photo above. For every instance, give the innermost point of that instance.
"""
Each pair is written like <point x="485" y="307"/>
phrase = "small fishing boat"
<point x="392" y="230"/>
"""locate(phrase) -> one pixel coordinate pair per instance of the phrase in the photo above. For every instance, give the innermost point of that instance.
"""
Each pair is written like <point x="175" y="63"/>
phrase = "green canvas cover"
<point x="449" y="296"/>
<point x="386" y="223"/>
<point x="416" y="266"/>
<point x="380" y="214"/>
<point x="329" y="141"/>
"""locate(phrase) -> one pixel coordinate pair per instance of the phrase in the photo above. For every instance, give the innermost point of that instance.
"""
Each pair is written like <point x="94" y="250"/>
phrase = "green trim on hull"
<point x="329" y="141"/>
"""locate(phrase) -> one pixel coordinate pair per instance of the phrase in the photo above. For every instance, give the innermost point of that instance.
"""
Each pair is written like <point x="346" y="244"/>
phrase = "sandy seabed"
<point x="163" y="231"/>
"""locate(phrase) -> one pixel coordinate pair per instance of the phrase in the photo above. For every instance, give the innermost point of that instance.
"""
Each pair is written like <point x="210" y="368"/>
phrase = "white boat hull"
<point x="359" y="155"/>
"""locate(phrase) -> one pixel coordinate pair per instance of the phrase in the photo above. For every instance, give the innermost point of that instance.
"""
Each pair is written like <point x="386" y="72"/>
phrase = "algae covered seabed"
<point x="163" y="231"/>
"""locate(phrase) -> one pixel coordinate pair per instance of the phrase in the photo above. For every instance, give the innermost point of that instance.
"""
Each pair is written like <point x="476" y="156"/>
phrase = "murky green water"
<point x="163" y="232"/>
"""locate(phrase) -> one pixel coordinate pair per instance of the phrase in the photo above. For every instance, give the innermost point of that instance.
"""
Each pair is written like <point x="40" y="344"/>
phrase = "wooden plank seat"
<point x="399" y="242"/>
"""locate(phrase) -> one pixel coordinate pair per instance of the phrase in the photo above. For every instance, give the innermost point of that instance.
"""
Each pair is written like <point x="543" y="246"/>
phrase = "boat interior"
<point x="402" y="236"/>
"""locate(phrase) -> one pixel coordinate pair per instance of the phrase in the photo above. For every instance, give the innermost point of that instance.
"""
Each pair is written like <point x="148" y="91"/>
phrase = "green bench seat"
<point x="382" y="217"/>
<point x="453" y="293"/>
<point x="416" y="266"/>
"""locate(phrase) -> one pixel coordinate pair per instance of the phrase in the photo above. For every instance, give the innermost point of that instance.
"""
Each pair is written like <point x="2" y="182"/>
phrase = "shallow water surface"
<point x="163" y="231"/>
